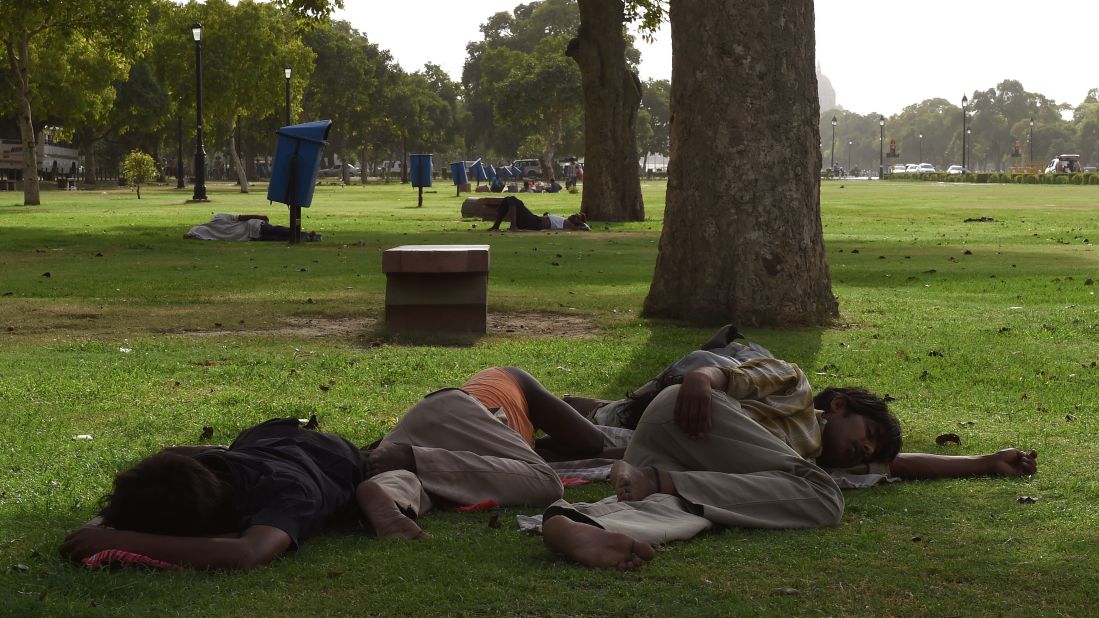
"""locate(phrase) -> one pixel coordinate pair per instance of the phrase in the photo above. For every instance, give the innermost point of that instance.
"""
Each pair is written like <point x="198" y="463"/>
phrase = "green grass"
<point x="1013" y="325"/>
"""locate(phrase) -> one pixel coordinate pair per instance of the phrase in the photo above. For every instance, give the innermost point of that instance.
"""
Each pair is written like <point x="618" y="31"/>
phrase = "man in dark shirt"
<point x="236" y="507"/>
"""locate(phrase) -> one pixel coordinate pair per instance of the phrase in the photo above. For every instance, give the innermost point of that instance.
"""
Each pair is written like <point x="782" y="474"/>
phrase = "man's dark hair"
<point x="864" y="403"/>
<point x="167" y="493"/>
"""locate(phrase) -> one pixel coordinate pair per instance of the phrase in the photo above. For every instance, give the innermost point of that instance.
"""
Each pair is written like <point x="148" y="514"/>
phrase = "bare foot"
<point x="594" y="546"/>
<point x="384" y="516"/>
<point x="633" y="483"/>
<point x="390" y="457"/>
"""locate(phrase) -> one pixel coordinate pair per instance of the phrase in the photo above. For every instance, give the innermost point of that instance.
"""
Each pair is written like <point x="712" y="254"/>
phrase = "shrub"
<point x="138" y="168"/>
<point x="1093" y="179"/>
<point x="1046" y="179"/>
<point x="982" y="177"/>
<point x="1032" y="179"/>
<point x="1060" y="179"/>
<point x="1077" y="179"/>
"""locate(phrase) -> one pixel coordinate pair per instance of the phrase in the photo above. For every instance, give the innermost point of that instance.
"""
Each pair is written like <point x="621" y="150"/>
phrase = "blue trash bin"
<point x="419" y="170"/>
<point x="297" y="161"/>
<point x="458" y="173"/>
<point x="477" y="170"/>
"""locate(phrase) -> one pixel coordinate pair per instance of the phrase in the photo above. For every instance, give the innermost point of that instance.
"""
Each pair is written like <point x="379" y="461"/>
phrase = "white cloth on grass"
<point x="226" y="227"/>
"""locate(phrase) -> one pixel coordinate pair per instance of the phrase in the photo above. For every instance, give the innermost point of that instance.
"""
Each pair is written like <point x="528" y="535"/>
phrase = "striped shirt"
<point x="776" y="394"/>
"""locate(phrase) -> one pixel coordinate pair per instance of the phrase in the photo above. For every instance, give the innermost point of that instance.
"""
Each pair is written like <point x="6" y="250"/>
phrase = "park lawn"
<point x="138" y="338"/>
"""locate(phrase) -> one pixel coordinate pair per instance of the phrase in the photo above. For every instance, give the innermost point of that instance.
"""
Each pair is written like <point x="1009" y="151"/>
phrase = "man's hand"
<point x="87" y="540"/>
<point x="1012" y="462"/>
<point x="692" y="405"/>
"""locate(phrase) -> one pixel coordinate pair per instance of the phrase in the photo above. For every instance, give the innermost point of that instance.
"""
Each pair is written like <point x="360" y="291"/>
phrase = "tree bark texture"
<point x="742" y="239"/>
<point x="19" y="63"/>
<point x="612" y="95"/>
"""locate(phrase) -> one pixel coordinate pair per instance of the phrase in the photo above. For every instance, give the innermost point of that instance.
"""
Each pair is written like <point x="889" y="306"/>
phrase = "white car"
<point x="955" y="169"/>
<point x="912" y="168"/>
<point x="899" y="168"/>
<point x="926" y="168"/>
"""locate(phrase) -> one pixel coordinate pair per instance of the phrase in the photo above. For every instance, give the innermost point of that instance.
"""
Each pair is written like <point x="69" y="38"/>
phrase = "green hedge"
<point x="1091" y="178"/>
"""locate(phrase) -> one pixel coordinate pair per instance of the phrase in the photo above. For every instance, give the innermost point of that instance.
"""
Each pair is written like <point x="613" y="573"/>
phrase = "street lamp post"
<point x="200" y="150"/>
<point x="286" y="72"/>
<point x="850" y="143"/>
<point x="921" y="147"/>
<point x="965" y="102"/>
<point x="881" y="147"/>
<point x="1030" y="138"/>
<point x="833" y="165"/>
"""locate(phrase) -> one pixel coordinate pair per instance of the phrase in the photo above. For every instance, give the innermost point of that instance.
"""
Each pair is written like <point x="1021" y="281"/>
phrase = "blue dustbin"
<point x="478" y="170"/>
<point x="297" y="161"/>
<point x="419" y="170"/>
<point x="504" y="172"/>
<point x="458" y="173"/>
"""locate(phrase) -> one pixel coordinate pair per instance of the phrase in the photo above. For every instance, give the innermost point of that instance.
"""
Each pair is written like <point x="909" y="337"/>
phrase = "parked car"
<point x="532" y="168"/>
<point x="912" y="168"/>
<point x="899" y="168"/>
<point x="955" y="169"/>
<point x="336" y="171"/>
<point x="1064" y="164"/>
<point x="926" y="168"/>
<point x="391" y="167"/>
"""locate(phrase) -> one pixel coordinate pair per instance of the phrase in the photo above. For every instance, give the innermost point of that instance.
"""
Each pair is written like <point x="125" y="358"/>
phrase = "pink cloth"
<point x="110" y="557"/>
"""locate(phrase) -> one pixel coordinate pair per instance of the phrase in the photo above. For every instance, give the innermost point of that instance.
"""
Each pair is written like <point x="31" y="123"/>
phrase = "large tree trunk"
<point x="19" y="63"/>
<point x="742" y="239"/>
<point x="234" y="158"/>
<point x="612" y="94"/>
<point x="86" y="139"/>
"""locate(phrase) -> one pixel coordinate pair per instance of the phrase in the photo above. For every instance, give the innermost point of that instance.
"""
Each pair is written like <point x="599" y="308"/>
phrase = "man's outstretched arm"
<point x="255" y="546"/>
<point x="1007" y="462"/>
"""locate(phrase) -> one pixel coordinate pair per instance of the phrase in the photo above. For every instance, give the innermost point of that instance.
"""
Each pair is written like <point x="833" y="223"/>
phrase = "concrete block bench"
<point x="436" y="287"/>
<point x="481" y="207"/>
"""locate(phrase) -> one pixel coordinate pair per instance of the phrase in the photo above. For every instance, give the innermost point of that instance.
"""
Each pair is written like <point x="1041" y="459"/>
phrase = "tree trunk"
<point x="742" y="239"/>
<point x="86" y="140"/>
<point x="553" y="139"/>
<point x="362" y="166"/>
<point x="234" y="158"/>
<point x="612" y="95"/>
<point x="341" y="144"/>
<point x="19" y="62"/>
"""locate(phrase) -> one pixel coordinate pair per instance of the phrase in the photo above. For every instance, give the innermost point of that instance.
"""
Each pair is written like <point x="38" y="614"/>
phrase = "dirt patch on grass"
<point x="521" y="324"/>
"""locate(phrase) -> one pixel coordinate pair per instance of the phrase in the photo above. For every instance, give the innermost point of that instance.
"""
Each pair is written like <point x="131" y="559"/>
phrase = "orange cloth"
<point x="496" y="388"/>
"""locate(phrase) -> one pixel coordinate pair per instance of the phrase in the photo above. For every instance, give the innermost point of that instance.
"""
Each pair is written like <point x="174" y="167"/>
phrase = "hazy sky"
<point x="880" y="56"/>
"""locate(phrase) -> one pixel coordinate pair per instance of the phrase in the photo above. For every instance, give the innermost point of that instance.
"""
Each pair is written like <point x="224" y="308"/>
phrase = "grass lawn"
<point x="114" y="326"/>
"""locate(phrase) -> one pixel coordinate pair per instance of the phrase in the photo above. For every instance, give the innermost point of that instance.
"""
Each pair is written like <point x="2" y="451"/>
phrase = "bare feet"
<point x="594" y="546"/>
<point x="384" y="516"/>
<point x="633" y="483"/>
<point x="390" y="457"/>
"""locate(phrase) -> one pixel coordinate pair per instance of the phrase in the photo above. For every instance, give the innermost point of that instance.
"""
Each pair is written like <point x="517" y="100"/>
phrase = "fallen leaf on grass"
<point x="966" y="423"/>
<point x="22" y="568"/>
<point x="946" y="438"/>
<point x="917" y="539"/>
<point x="207" y="433"/>
<point x="125" y="350"/>
<point x="935" y="353"/>
<point x="46" y="274"/>
<point x="84" y="437"/>
<point x="1027" y="499"/>
<point x="494" y="522"/>
<point x="789" y="592"/>
<point x="1090" y="281"/>
<point x="334" y="574"/>
<point x="325" y="387"/>
<point x="1070" y="417"/>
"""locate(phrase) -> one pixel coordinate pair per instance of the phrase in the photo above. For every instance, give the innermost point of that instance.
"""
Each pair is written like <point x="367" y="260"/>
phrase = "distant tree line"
<point x="998" y="118"/>
<point x="109" y="86"/>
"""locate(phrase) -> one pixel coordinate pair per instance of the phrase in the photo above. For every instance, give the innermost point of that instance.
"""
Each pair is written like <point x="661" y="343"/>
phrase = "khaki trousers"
<point x="464" y="455"/>
<point x="739" y="474"/>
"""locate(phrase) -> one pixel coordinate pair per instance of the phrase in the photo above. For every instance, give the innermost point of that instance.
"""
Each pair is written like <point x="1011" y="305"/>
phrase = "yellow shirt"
<point x="776" y="394"/>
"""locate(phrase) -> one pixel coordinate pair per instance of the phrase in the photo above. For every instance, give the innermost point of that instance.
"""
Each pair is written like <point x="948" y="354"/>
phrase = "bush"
<point x="1046" y="179"/>
<point x="1032" y="179"/>
<point x="1060" y="179"/>
<point x="1093" y="179"/>
<point x="139" y="168"/>
<point x="981" y="177"/>
<point x="1077" y="179"/>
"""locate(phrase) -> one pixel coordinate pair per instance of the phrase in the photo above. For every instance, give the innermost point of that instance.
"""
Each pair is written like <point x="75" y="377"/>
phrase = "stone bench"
<point x="481" y="207"/>
<point x="437" y="287"/>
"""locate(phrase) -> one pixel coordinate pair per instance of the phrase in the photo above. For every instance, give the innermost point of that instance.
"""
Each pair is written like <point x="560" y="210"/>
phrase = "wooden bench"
<point x="437" y="287"/>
